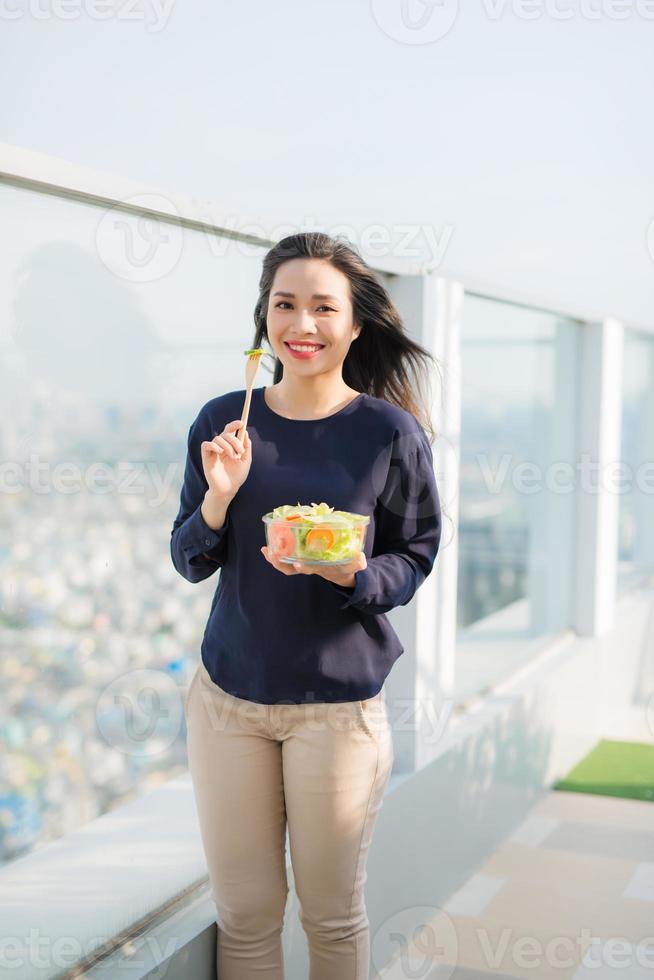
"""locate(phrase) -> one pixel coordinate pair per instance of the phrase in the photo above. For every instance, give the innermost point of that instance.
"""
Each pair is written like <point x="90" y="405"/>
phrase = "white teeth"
<point x="305" y="347"/>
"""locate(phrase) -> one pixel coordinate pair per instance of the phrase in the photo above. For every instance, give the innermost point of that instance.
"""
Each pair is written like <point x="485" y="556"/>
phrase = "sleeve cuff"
<point x="356" y="593"/>
<point x="200" y="539"/>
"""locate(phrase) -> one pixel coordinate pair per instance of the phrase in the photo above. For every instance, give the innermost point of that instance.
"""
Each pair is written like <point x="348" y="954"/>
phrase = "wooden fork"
<point x="251" y="367"/>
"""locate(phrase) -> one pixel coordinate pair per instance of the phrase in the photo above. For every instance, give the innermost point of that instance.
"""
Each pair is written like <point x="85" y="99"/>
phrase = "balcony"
<point x="529" y="643"/>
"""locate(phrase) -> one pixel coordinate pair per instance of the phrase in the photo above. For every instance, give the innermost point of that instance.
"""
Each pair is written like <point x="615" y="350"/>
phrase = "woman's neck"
<point x="308" y="403"/>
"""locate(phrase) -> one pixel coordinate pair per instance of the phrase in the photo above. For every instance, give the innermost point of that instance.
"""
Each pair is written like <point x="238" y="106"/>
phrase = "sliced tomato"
<point x="282" y="539"/>
<point x="320" y="538"/>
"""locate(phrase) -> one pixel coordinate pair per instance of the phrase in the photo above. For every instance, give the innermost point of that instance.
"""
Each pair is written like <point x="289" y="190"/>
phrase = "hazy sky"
<point x="507" y="142"/>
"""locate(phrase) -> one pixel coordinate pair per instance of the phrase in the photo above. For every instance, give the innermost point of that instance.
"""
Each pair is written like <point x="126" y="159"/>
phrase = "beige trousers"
<point x="318" y="769"/>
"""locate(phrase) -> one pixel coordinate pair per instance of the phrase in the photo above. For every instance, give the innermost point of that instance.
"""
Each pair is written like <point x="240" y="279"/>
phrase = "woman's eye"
<point x="324" y="306"/>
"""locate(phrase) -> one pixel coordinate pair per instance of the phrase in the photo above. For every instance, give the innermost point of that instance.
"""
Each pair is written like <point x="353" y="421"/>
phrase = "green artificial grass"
<point x="614" y="769"/>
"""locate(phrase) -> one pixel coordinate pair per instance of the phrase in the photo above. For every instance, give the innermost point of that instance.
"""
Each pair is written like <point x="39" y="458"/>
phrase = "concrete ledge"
<point x="139" y="871"/>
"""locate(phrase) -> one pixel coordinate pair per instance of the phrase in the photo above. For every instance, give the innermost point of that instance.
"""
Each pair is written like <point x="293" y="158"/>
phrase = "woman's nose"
<point x="305" y="321"/>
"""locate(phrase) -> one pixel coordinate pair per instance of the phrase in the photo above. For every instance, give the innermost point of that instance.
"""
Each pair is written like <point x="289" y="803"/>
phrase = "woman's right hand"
<point x="223" y="471"/>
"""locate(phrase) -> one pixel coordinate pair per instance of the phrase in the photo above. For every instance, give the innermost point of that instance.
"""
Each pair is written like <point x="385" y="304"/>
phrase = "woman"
<point x="286" y="713"/>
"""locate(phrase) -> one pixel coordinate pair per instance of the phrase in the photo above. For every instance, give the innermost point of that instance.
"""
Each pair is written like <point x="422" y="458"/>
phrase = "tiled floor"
<point x="570" y="895"/>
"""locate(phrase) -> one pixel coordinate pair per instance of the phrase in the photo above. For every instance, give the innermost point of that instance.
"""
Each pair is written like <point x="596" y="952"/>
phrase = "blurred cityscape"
<point x="100" y="634"/>
<point x="98" y="628"/>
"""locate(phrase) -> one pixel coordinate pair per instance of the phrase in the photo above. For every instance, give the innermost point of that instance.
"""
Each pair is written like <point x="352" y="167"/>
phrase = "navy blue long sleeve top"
<point x="275" y="638"/>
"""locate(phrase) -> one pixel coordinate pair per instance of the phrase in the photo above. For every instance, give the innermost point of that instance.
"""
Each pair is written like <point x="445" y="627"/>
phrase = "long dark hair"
<point x="383" y="360"/>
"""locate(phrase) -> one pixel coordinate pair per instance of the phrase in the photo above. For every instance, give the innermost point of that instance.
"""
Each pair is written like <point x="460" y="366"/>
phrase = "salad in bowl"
<point x="314" y="533"/>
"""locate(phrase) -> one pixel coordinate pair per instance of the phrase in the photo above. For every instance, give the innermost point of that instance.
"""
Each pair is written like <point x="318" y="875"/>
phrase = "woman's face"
<point x="310" y="303"/>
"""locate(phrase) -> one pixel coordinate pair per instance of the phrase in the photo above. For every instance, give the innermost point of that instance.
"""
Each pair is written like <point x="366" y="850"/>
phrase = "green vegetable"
<point x="345" y="526"/>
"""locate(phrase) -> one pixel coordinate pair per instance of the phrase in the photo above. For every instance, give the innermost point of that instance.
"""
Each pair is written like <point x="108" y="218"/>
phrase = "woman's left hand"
<point x="338" y="574"/>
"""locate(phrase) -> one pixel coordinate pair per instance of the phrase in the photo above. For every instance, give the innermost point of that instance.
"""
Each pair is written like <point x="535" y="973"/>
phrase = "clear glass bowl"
<point x="307" y="540"/>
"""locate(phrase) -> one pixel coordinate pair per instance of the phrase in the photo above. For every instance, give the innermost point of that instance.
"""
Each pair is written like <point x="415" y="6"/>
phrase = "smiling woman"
<point x="307" y="324"/>
<point x="297" y="637"/>
<point x="317" y="290"/>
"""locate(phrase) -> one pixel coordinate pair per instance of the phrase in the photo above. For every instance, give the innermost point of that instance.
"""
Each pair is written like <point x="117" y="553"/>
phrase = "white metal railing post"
<point x="598" y="502"/>
<point x="421" y="684"/>
<point x="552" y="509"/>
<point x="641" y="476"/>
<point x="446" y="338"/>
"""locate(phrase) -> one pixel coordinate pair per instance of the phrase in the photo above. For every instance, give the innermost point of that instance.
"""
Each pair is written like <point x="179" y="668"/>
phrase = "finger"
<point x="228" y="448"/>
<point x="212" y="447"/>
<point x="233" y="427"/>
<point x="234" y="441"/>
<point x="281" y="566"/>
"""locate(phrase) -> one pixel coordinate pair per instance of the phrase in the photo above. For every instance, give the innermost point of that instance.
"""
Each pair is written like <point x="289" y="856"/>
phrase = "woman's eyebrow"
<point x="315" y="296"/>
